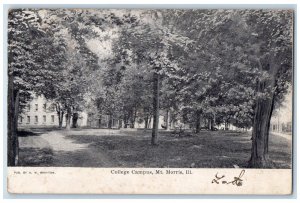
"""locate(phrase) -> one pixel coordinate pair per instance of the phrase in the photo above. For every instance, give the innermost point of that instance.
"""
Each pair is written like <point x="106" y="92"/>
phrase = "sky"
<point x="102" y="45"/>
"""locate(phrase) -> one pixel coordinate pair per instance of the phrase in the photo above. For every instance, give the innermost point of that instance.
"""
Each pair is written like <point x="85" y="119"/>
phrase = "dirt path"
<point x="65" y="151"/>
<point x="288" y="137"/>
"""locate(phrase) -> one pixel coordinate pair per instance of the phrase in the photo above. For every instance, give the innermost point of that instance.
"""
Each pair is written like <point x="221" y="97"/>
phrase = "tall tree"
<point x="256" y="44"/>
<point x="152" y="43"/>
<point x="28" y="70"/>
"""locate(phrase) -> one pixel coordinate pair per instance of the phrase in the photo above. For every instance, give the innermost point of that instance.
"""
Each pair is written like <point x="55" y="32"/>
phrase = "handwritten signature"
<point x="236" y="180"/>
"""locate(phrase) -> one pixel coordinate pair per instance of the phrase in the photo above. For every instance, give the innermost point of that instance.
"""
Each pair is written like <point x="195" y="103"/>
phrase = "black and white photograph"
<point x="150" y="88"/>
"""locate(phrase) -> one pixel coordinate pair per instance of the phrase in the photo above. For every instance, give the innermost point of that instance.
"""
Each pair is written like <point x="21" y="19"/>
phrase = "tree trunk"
<point x="149" y="121"/>
<point x="13" y="144"/>
<point x="60" y="118"/>
<point x="213" y="121"/>
<point x="198" y="121"/>
<point x="125" y="121"/>
<point x="155" y="108"/>
<point x="226" y="125"/>
<point x="74" y="120"/>
<point x="120" y="123"/>
<point x="173" y="123"/>
<point x="170" y="120"/>
<point x="99" y="121"/>
<point x="167" y="119"/>
<point x="209" y="124"/>
<point x="133" y="118"/>
<point x="68" y="119"/>
<point x="17" y="102"/>
<point x="109" y="122"/>
<point x="146" y="121"/>
<point x="260" y="134"/>
<point x="60" y="115"/>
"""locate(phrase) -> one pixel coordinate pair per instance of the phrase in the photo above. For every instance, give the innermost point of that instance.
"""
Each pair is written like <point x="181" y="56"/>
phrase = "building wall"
<point x="36" y="114"/>
<point x="39" y="113"/>
<point x="282" y="118"/>
<point x="142" y="123"/>
<point x="281" y="127"/>
<point x="93" y="122"/>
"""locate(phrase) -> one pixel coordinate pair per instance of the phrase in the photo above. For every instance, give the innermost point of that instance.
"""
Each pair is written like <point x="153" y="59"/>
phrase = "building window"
<point x="44" y="119"/>
<point x="28" y="107"/>
<point x="44" y="106"/>
<point x="21" y="119"/>
<point x="36" y="107"/>
<point x="36" y="119"/>
<point x="52" y="107"/>
<point x="52" y="118"/>
<point x="28" y="119"/>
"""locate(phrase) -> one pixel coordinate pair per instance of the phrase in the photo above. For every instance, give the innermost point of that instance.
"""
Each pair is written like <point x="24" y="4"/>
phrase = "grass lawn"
<point x="217" y="149"/>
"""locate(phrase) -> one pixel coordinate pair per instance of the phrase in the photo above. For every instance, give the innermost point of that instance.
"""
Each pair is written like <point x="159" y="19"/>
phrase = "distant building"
<point x="141" y="123"/>
<point x="281" y="120"/>
<point x="97" y="122"/>
<point x="41" y="112"/>
<point x="280" y="126"/>
<point x="103" y="122"/>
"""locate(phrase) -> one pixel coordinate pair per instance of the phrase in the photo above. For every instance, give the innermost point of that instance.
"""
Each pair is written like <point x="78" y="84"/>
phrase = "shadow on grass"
<point x="23" y="133"/>
<point x="199" y="151"/>
<point x="35" y="157"/>
<point x="27" y="132"/>
<point x="205" y="150"/>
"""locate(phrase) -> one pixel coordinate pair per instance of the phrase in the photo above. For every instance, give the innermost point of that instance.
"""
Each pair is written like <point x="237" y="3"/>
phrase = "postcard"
<point x="150" y="101"/>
